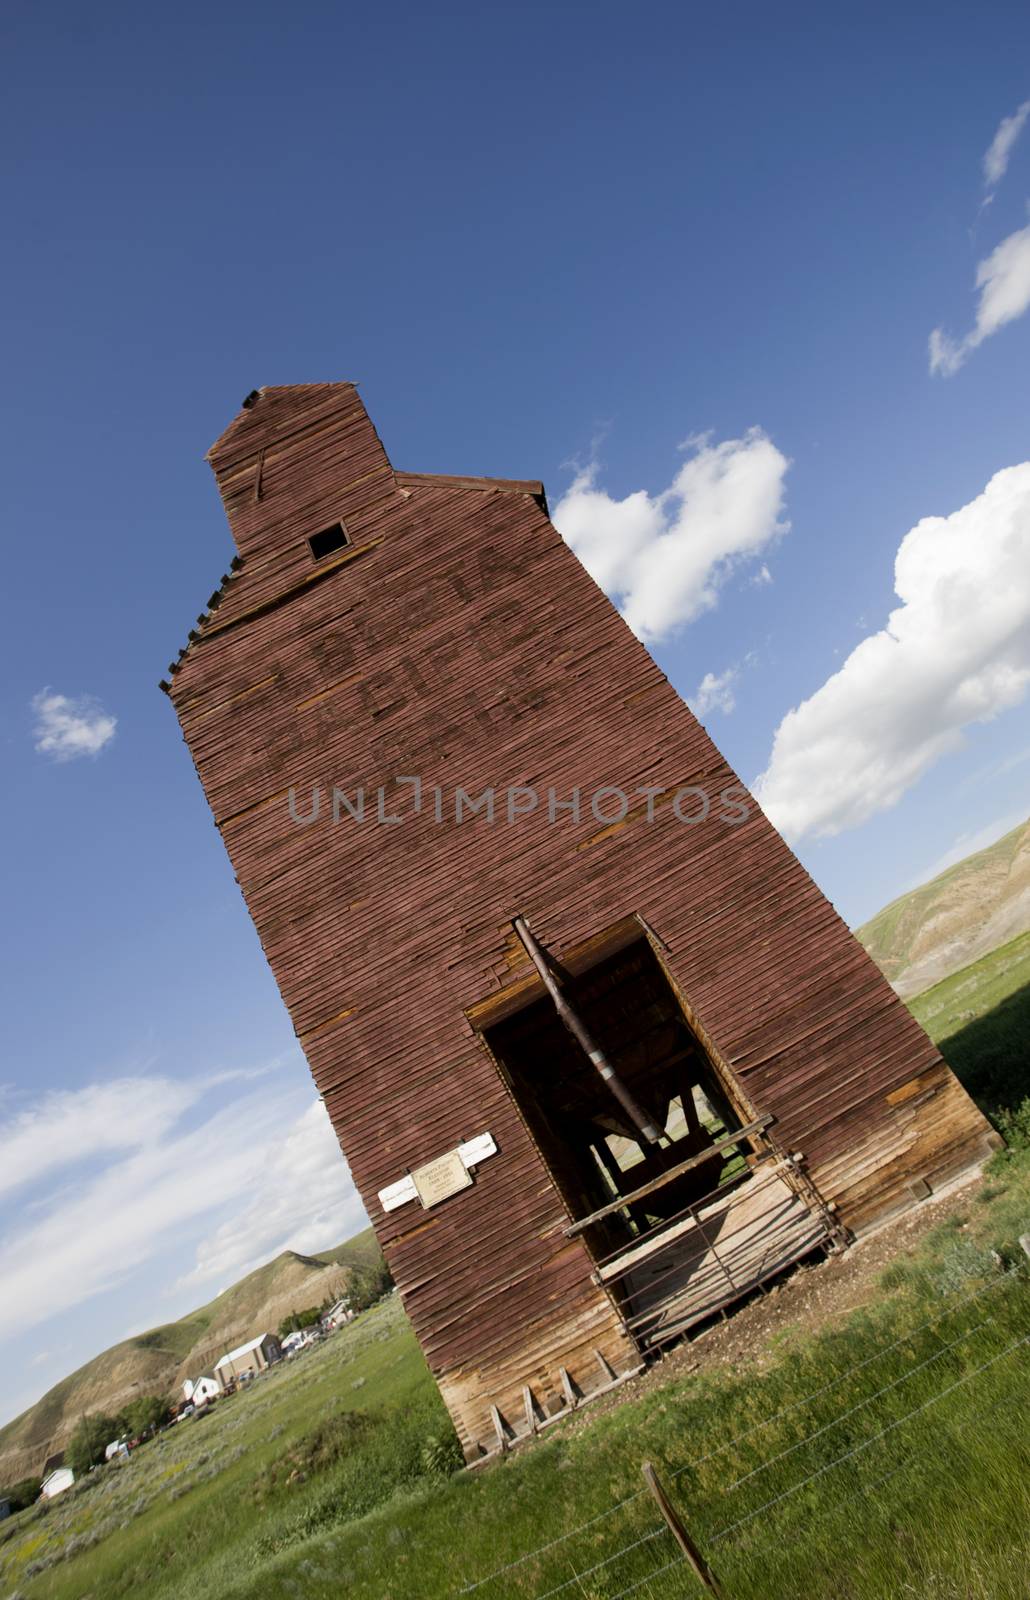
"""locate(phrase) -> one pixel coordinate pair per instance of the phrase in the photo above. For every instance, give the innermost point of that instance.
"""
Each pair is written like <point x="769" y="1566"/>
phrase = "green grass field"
<point x="980" y="1021"/>
<point x="888" y="1457"/>
<point x="147" y="1362"/>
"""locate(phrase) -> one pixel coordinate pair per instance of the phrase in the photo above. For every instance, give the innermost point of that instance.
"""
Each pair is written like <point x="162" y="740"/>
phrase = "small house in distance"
<point x="198" y="1391"/>
<point x="601" y="1056"/>
<point x="257" y="1355"/>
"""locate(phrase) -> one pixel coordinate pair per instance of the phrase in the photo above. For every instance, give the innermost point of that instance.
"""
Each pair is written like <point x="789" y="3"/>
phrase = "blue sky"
<point x="549" y="242"/>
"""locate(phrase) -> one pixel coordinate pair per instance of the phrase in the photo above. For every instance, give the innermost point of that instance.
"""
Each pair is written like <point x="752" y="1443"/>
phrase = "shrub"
<point x="362" y="1460"/>
<point x="147" y="1413"/>
<point x="369" y="1284"/>
<point x="300" y="1319"/>
<point x="1014" y="1126"/>
<point x="91" y="1438"/>
<point x="313" y="1453"/>
<point x="22" y="1493"/>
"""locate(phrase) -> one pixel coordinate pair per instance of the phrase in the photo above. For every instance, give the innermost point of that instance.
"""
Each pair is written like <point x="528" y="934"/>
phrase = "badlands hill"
<point x="959" y="916"/>
<point x="158" y="1361"/>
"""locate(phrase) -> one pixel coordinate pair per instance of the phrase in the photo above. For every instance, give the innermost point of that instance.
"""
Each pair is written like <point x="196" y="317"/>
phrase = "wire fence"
<point x="633" y="1537"/>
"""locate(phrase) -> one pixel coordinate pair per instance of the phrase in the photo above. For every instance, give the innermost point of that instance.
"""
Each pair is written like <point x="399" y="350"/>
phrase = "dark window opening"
<point x="594" y="1153"/>
<point x="330" y="539"/>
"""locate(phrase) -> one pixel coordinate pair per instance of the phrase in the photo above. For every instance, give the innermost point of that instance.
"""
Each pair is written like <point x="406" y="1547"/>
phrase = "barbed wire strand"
<point x="862" y="1490"/>
<point x="852" y="1411"/>
<point x="843" y="1377"/>
<point x="907" y="1461"/>
<point x="867" y="1443"/>
<point x="765" y="1422"/>
<point x="678" y="1561"/>
<point x="552" y="1544"/>
<point x="607" y="1562"/>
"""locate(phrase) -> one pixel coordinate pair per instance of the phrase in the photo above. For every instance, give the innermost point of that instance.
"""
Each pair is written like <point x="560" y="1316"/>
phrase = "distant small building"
<point x="337" y="1314"/>
<point x="201" y="1390"/>
<point x="57" y="1482"/>
<point x="248" y="1360"/>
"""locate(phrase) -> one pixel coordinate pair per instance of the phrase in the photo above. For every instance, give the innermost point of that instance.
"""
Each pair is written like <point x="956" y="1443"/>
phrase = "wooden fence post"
<point x="690" y="1551"/>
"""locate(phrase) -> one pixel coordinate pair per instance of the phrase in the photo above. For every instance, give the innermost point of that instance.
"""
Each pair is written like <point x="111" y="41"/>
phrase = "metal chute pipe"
<point x="585" y="1039"/>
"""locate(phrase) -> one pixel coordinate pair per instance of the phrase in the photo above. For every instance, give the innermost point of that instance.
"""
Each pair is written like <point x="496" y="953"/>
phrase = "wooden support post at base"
<point x="691" y="1553"/>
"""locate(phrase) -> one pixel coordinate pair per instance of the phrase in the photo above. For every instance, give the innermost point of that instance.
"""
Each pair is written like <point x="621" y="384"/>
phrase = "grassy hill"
<point x="159" y="1360"/>
<point x="959" y="916"/>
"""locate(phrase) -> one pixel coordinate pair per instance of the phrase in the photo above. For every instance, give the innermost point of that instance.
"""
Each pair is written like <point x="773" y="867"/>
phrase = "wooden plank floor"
<point x="704" y="1262"/>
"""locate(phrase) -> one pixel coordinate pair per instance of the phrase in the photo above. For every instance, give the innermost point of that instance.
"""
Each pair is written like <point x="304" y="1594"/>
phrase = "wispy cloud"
<point x="664" y="558"/>
<point x="996" y="158"/>
<point x="306" y="1201"/>
<point x="715" y="693"/>
<point x="69" y="1128"/>
<point x="69" y="726"/>
<point x="73" y="1126"/>
<point x="955" y="652"/>
<point x="1003" y="279"/>
<point x="269" y="1177"/>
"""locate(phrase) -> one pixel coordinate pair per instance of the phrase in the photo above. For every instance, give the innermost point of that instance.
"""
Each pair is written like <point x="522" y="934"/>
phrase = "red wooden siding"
<point x="458" y="639"/>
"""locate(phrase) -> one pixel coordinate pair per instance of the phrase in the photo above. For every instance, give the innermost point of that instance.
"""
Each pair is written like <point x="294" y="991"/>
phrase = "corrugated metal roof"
<point x="243" y="1350"/>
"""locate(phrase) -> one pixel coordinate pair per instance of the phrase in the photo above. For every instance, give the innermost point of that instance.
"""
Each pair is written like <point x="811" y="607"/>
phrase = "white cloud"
<point x="663" y="559"/>
<point x="715" y="693"/>
<point x="996" y="159"/>
<point x="76" y="1125"/>
<point x="955" y="652"/>
<point x="67" y="727"/>
<point x="306" y="1202"/>
<point x="1003" y="279"/>
<point x="93" y="1232"/>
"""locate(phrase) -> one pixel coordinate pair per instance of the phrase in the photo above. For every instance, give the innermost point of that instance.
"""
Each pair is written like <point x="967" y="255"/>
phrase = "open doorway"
<point x="592" y="1148"/>
<point x="679" y="1227"/>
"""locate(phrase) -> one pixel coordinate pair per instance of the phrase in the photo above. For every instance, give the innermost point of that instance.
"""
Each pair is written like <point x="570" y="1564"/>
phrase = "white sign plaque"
<point x="471" y="1153"/>
<point x="441" y="1178"/>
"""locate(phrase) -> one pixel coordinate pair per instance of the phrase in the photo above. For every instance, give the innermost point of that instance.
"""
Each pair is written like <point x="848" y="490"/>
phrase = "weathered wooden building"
<point x="468" y="813"/>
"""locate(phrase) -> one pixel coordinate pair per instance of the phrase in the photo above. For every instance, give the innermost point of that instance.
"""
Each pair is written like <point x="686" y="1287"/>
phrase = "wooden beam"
<point x="667" y="1177"/>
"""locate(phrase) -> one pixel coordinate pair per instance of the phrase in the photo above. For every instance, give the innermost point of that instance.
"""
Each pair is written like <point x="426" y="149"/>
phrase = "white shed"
<point x="57" y="1482"/>
<point x="201" y="1390"/>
